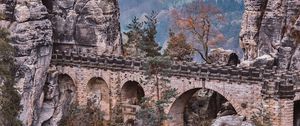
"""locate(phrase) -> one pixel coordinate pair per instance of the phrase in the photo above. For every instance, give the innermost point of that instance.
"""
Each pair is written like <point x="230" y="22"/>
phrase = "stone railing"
<point x="282" y="80"/>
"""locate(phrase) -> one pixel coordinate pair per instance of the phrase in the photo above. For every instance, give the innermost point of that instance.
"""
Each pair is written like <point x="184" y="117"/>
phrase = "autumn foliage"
<point x="197" y="21"/>
<point x="178" y="49"/>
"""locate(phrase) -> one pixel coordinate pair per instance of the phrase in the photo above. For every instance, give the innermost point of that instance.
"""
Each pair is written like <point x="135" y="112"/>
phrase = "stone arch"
<point x="67" y="94"/>
<point x="132" y="92"/>
<point x="98" y="95"/>
<point x="137" y="77"/>
<point x="178" y="106"/>
<point x="233" y="59"/>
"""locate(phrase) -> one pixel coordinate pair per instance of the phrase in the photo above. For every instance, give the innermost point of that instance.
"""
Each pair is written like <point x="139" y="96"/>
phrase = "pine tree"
<point x="141" y="37"/>
<point x="149" y="45"/>
<point x="152" y="109"/>
<point x="135" y="34"/>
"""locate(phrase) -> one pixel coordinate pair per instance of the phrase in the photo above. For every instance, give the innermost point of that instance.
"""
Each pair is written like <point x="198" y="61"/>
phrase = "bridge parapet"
<point x="275" y="82"/>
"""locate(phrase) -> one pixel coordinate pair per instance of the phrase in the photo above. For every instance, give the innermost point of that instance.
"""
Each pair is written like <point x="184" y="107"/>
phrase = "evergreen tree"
<point x="141" y="37"/>
<point x="149" y="45"/>
<point x="9" y="97"/>
<point x="178" y="48"/>
<point x="135" y="34"/>
<point x="152" y="109"/>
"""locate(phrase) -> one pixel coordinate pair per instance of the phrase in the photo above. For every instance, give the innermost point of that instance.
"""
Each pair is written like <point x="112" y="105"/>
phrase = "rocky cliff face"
<point x="90" y="26"/>
<point x="39" y="26"/>
<point x="31" y="34"/>
<point x="270" y="29"/>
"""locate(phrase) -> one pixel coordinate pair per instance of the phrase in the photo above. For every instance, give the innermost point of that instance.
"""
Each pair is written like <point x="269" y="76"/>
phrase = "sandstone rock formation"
<point x="271" y="27"/>
<point x="31" y="35"/>
<point x="223" y="57"/>
<point x="90" y="26"/>
<point x="36" y="27"/>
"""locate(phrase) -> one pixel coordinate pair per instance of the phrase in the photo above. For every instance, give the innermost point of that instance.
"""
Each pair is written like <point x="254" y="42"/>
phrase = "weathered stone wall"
<point x="271" y="27"/>
<point x="114" y="80"/>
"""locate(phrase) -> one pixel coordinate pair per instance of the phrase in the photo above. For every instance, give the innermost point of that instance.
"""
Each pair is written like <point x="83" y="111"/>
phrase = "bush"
<point x="83" y="116"/>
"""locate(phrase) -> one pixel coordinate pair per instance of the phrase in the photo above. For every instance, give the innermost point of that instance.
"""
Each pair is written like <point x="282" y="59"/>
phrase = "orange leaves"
<point x="196" y="20"/>
<point x="178" y="48"/>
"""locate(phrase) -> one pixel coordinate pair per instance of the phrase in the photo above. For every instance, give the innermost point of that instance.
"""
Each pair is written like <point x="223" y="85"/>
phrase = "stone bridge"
<point x="113" y="79"/>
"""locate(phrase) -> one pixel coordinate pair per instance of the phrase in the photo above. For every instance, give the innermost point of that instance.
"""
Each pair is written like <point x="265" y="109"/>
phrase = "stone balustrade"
<point x="276" y="83"/>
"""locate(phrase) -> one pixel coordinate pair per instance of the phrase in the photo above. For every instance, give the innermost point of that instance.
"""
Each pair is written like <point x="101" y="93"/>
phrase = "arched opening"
<point x="67" y="93"/>
<point x="233" y="59"/>
<point x="131" y="96"/>
<point x="98" y="96"/>
<point x="132" y="93"/>
<point x="198" y="107"/>
<point x="297" y="113"/>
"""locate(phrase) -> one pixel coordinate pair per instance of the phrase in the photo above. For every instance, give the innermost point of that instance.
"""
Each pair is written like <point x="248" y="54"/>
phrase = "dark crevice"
<point x="233" y="59"/>
<point x="292" y="55"/>
<point x="48" y="4"/>
<point x="10" y="9"/>
<point x="259" y="21"/>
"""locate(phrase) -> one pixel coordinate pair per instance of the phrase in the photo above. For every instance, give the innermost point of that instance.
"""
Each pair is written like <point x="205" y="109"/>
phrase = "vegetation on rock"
<point x="83" y="116"/>
<point x="135" y="33"/>
<point x="141" y="37"/>
<point x="9" y="97"/>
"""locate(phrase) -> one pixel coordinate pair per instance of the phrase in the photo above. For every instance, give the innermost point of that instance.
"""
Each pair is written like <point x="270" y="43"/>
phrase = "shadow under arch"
<point x="297" y="113"/>
<point x="132" y="93"/>
<point x="131" y="96"/>
<point x="98" y="95"/>
<point x="67" y="94"/>
<point x="178" y="106"/>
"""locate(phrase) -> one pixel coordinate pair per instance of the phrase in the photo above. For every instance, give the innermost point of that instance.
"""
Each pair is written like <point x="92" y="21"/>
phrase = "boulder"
<point x="223" y="57"/>
<point x="265" y="60"/>
<point x="231" y="120"/>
